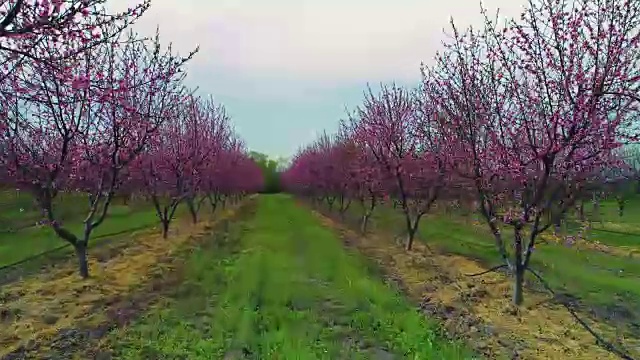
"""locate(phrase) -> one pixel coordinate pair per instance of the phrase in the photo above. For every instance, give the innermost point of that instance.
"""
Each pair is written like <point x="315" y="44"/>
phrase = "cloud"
<point x="323" y="42"/>
<point x="287" y="69"/>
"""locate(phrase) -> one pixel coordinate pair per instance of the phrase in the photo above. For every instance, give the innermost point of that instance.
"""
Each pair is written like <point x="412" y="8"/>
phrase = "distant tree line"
<point x="270" y="171"/>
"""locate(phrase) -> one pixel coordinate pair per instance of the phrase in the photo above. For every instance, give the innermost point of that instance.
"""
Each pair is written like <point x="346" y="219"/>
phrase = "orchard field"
<point x="492" y="212"/>
<point x="274" y="277"/>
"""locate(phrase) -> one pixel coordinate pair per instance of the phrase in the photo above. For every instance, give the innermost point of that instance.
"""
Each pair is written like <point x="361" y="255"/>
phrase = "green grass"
<point x="32" y="241"/>
<point x="16" y="245"/>
<point x="282" y="287"/>
<point x="598" y="279"/>
<point x="631" y="215"/>
<point x="615" y="229"/>
<point x="20" y="211"/>
<point x="608" y="227"/>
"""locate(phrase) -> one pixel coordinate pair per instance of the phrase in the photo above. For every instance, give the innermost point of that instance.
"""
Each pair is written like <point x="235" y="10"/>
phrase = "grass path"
<point x="281" y="286"/>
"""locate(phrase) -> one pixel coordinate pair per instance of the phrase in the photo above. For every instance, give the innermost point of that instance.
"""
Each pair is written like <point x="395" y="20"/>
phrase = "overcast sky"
<point x="286" y="69"/>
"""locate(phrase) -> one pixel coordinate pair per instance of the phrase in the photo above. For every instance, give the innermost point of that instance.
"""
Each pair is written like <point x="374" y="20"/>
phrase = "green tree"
<point x="270" y="171"/>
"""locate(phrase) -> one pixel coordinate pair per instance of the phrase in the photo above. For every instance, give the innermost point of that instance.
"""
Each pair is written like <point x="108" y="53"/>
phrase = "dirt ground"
<point x="56" y="312"/>
<point x="478" y="309"/>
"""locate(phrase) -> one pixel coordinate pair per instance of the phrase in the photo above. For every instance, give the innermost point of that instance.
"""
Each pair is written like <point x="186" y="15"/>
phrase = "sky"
<point x="286" y="70"/>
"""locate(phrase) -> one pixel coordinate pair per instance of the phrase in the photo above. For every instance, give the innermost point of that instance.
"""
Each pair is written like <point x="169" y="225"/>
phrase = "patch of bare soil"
<point x="478" y="309"/>
<point x="57" y="315"/>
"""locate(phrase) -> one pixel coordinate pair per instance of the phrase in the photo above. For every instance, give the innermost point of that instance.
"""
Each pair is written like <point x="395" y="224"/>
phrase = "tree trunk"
<point x="165" y="228"/>
<point x="518" y="285"/>
<point x="596" y="207"/>
<point x="557" y="225"/>
<point x="410" y="238"/>
<point x="620" y="207"/>
<point x="581" y="211"/>
<point x="368" y="211"/>
<point x="365" y="222"/>
<point x="81" y="255"/>
<point x="344" y="206"/>
<point x="192" y="210"/>
<point x="412" y="227"/>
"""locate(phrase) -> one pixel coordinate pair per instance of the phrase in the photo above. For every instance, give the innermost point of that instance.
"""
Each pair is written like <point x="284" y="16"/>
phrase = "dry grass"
<point x="620" y="250"/>
<point x="622" y="227"/>
<point x="479" y="309"/>
<point x="35" y="309"/>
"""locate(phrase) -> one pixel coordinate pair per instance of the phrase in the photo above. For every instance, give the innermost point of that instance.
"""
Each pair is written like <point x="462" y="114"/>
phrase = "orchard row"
<point x="520" y="122"/>
<point x="90" y="106"/>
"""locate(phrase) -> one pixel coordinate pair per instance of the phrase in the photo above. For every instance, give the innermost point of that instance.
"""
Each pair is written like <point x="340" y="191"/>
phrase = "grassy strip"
<point x="19" y="209"/>
<point x="29" y="242"/>
<point x="284" y="288"/>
